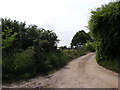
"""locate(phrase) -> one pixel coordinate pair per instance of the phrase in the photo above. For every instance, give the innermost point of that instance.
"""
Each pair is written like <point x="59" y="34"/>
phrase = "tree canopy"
<point x="27" y="49"/>
<point x="104" y="25"/>
<point x="80" y="38"/>
<point x="16" y="36"/>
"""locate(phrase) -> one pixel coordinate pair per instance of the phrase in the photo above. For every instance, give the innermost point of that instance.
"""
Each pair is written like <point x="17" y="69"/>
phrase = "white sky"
<point x="65" y="17"/>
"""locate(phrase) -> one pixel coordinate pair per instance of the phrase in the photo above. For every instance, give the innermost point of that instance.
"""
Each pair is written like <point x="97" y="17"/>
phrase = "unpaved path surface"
<point x="83" y="72"/>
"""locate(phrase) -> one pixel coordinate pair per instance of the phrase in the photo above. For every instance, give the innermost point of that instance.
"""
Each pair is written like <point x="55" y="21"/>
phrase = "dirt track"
<point x="82" y="72"/>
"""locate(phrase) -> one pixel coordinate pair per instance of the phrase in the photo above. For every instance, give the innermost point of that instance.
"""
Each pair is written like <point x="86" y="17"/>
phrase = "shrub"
<point x="105" y="28"/>
<point x="17" y="64"/>
<point x="104" y="25"/>
<point x="89" y="46"/>
<point x="51" y="61"/>
<point x="110" y="64"/>
<point x="74" y="53"/>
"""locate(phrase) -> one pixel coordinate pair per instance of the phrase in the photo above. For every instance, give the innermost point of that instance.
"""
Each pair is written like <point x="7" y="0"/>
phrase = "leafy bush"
<point x="17" y="64"/>
<point x="110" y="64"/>
<point x="89" y="46"/>
<point x="105" y="28"/>
<point x="28" y="51"/>
<point x="25" y="49"/>
<point x="24" y="61"/>
<point x="51" y="61"/>
<point x="74" y="53"/>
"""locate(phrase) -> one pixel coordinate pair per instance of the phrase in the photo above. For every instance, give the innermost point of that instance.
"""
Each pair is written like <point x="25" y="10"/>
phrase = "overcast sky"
<point x="65" y="17"/>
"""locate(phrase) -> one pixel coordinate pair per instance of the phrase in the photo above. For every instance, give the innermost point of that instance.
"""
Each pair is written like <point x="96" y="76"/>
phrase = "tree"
<point x="9" y="28"/>
<point x="104" y="25"/>
<point x="80" y="38"/>
<point x="25" y="37"/>
<point x="27" y="49"/>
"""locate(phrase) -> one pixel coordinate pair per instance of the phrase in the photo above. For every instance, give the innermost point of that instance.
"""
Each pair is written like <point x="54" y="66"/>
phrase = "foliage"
<point x="74" y="53"/>
<point x="28" y="51"/>
<point x="10" y="28"/>
<point x="57" y="60"/>
<point x="8" y="40"/>
<point x="110" y="64"/>
<point x="23" y="37"/>
<point x="90" y="46"/>
<point x="105" y="28"/>
<point x="17" y="64"/>
<point x="62" y="48"/>
<point x="80" y="38"/>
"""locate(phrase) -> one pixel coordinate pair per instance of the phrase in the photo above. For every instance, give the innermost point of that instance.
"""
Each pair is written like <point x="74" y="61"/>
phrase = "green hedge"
<point x="105" y="27"/>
